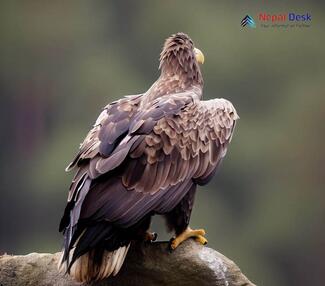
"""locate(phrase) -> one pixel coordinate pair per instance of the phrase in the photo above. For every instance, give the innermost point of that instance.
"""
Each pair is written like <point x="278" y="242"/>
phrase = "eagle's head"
<point x="179" y="57"/>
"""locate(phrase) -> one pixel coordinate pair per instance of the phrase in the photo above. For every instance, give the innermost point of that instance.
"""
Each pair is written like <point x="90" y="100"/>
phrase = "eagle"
<point x="145" y="155"/>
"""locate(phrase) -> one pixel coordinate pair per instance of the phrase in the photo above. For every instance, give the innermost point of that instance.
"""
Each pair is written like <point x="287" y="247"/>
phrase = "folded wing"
<point x="141" y="161"/>
<point x="176" y="142"/>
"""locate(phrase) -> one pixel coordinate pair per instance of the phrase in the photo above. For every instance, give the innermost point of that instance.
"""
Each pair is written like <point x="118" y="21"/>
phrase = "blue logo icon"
<point x="248" y="21"/>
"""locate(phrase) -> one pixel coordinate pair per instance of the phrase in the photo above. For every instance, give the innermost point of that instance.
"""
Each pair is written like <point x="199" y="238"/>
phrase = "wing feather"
<point x="190" y="143"/>
<point x="111" y="124"/>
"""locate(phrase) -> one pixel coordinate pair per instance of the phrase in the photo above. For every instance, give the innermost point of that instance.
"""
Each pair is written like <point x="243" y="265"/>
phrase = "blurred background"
<point x="62" y="61"/>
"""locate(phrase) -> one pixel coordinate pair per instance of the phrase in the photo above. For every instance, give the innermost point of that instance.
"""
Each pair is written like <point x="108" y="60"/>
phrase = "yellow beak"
<point x="199" y="56"/>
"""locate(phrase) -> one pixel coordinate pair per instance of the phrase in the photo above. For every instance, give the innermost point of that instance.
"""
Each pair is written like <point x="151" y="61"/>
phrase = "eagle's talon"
<point x="170" y="247"/>
<point x="154" y="236"/>
<point x="198" y="234"/>
<point x="151" y="236"/>
<point x="173" y="244"/>
<point x="201" y="239"/>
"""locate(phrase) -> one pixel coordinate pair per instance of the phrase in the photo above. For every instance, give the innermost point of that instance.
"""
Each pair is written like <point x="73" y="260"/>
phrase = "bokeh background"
<point x="62" y="61"/>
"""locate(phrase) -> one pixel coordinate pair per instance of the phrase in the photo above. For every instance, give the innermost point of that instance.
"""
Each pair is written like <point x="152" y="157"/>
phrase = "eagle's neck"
<point x="171" y="82"/>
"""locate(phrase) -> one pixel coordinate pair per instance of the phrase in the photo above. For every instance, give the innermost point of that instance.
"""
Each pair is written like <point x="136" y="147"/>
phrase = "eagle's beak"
<point x="199" y="56"/>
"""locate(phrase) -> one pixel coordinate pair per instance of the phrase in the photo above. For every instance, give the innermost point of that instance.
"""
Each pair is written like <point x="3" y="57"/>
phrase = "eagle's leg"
<point x="198" y="234"/>
<point x="178" y="220"/>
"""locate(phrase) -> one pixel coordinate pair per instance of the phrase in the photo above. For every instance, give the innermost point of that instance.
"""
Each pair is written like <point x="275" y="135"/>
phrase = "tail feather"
<point x="121" y="260"/>
<point x="85" y="269"/>
<point x="106" y="264"/>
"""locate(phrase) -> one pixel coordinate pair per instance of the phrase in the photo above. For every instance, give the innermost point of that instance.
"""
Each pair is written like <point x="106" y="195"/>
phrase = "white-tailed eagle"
<point x="145" y="155"/>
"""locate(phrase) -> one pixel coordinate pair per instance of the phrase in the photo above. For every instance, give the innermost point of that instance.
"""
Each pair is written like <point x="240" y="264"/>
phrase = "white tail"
<point x="84" y="270"/>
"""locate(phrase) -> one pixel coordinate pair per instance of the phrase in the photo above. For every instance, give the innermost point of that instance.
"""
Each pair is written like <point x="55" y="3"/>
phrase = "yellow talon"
<point x="197" y="233"/>
<point x="201" y="239"/>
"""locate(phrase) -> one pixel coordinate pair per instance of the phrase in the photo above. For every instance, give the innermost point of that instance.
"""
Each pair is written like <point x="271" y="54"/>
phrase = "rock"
<point x="146" y="264"/>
